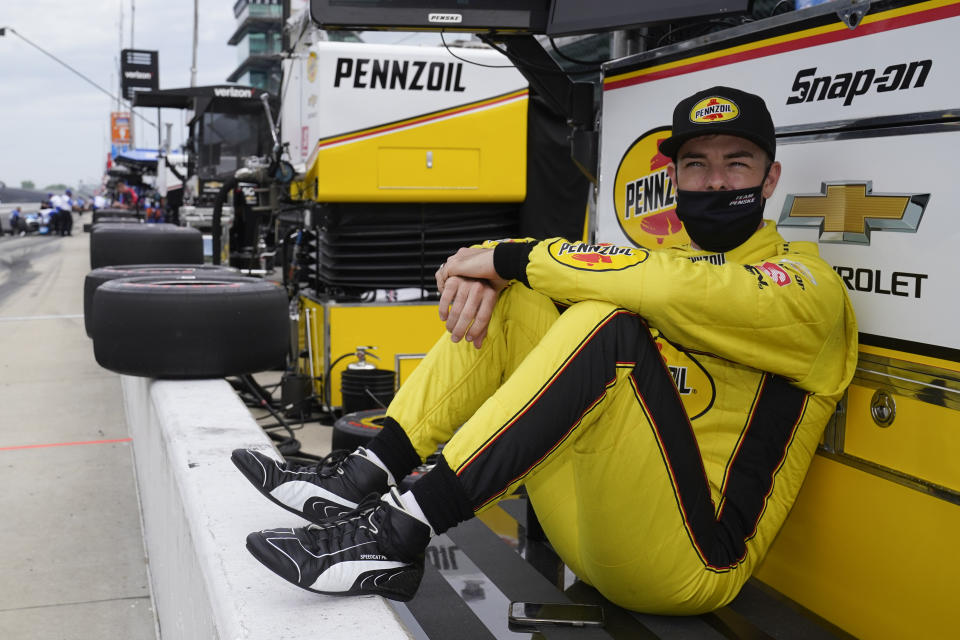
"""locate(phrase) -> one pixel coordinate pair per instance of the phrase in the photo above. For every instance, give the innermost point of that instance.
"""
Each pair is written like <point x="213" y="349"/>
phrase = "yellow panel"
<point x="873" y="557"/>
<point x="426" y="168"/>
<point x="406" y="367"/>
<point x="350" y="170"/>
<point x="923" y="441"/>
<point x="392" y="329"/>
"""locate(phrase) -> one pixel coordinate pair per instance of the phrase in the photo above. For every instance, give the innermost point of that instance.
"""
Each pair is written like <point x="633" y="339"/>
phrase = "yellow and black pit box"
<point x="400" y="333"/>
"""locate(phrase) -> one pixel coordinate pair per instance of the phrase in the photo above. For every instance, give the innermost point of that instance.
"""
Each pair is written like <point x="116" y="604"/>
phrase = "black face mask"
<point x="720" y="220"/>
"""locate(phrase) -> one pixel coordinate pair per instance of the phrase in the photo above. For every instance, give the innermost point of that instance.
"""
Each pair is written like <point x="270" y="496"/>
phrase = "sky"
<point x="54" y="125"/>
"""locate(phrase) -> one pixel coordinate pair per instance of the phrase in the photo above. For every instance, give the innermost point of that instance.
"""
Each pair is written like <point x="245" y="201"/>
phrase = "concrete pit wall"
<point x="197" y="511"/>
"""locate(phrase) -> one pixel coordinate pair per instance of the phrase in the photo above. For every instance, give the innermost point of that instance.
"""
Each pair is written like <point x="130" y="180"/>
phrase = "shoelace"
<point x="348" y="523"/>
<point x="331" y="462"/>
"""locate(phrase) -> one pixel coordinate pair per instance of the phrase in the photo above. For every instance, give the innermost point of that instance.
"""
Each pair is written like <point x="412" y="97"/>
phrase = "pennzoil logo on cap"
<point x="596" y="257"/>
<point x="714" y="109"/>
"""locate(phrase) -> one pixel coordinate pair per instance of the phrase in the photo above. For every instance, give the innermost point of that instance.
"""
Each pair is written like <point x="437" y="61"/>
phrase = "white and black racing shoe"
<point x="376" y="550"/>
<point x="317" y="492"/>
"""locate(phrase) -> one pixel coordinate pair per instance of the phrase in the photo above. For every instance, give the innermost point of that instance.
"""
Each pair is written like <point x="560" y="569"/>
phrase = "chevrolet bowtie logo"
<point x="846" y="212"/>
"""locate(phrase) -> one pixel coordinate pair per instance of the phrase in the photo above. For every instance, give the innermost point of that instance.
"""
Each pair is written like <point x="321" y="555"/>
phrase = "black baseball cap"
<point x="721" y="110"/>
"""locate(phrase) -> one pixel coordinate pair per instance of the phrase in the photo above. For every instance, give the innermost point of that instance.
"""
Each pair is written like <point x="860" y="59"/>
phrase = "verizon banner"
<point x="139" y="71"/>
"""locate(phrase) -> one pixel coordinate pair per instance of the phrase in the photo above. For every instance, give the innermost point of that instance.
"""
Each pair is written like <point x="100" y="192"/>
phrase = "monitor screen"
<point x="553" y="17"/>
<point x="569" y="17"/>
<point x="527" y="16"/>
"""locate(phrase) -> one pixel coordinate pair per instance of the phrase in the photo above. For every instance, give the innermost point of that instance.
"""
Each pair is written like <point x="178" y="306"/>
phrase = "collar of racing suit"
<point x="765" y="242"/>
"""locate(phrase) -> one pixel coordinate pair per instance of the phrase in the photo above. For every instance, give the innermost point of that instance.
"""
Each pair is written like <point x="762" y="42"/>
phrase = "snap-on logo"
<point x="445" y="18"/>
<point x="808" y="86"/>
<point x="776" y="273"/>
<point x="714" y="109"/>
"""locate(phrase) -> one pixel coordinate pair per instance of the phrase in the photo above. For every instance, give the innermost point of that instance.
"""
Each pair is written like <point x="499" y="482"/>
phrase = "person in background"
<point x="126" y="197"/>
<point x="17" y="225"/>
<point x="66" y="213"/>
<point x="53" y="204"/>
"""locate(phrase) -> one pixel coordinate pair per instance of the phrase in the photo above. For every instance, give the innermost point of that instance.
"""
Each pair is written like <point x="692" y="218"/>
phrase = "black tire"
<point x="124" y="244"/>
<point x="104" y="274"/>
<point x="115" y="215"/>
<point x="356" y="429"/>
<point x="210" y="327"/>
<point x="127" y="221"/>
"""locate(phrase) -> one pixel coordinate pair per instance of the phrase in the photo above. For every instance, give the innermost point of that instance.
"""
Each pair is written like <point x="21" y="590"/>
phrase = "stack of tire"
<point x="154" y="309"/>
<point x="127" y="216"/>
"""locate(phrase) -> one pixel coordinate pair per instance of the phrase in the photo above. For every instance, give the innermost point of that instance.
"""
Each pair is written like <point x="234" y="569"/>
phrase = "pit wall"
<point x="197" y="510"/>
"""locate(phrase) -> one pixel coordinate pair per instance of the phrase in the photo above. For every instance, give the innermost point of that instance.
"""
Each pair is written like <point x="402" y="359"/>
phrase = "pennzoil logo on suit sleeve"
<point x="596" y="257"/>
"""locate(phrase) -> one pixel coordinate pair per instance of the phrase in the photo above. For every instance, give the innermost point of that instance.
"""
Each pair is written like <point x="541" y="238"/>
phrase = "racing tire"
<point x="89" y="227"/>
<point x="358" y="428"/>
<point x="114" y="215"/>
<point x="355" y="429"/>
<point x="104" y="274"/>
<point x="124" y="244"/>
<point x="209" y="327"/>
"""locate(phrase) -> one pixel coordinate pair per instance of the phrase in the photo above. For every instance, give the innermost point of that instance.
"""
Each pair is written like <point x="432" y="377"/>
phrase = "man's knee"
<point x="523" y="307"/>
<point x="589" y="312"/>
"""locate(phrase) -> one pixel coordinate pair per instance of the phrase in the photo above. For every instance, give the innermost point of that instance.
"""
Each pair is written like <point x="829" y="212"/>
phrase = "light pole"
<point x="193" y="66"/>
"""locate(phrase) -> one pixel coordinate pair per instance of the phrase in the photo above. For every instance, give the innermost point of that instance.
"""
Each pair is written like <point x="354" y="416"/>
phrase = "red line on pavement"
<point x="65" y="444"/>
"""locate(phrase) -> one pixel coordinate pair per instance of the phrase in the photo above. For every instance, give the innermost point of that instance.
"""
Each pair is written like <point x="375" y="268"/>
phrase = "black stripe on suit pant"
<point x="720" y="540"/>
<point x="557" y="408"/>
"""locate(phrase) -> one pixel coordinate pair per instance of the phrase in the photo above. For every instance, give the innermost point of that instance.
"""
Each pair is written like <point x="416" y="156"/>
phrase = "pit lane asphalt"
<point x="71" y="549"/>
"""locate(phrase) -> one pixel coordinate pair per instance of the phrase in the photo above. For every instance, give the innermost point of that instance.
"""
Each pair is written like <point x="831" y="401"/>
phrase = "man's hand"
<point x="469" y="287"/>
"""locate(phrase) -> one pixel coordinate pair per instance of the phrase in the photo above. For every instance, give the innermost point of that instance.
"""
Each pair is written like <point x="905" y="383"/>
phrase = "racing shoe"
<point x="375" y="550"/>
<point x="318" y="492"/>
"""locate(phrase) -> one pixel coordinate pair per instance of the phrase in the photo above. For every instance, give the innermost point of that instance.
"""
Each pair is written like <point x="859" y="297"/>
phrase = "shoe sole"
<point x="266" y="558"/>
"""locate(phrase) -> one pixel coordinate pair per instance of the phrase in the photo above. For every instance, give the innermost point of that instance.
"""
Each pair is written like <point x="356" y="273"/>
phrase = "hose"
<point x="285" y="445"/>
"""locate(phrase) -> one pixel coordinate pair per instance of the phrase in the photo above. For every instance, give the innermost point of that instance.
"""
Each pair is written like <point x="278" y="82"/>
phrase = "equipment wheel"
<point x="190" y="327"/>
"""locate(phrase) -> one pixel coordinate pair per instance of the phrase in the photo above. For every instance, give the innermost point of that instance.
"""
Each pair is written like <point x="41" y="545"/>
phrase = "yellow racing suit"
<point x="662" y="423"/>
